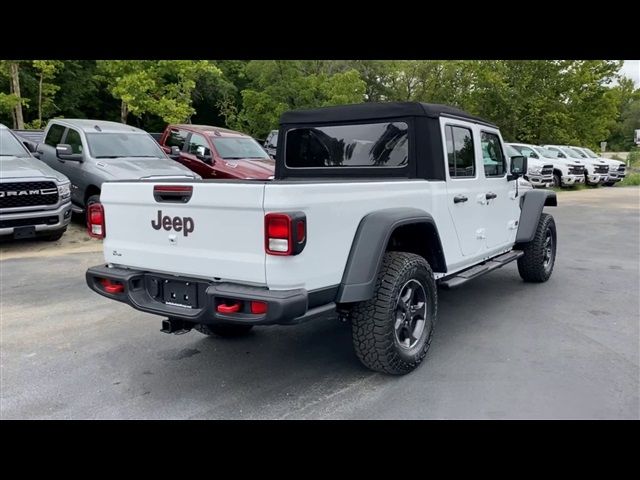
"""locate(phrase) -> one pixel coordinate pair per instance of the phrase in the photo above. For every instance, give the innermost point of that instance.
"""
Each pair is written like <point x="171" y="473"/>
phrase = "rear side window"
<point x="176" y="138"/>
<point x="54" y="135"/>
<point x="492" y="155"/>
<point x="73" y="139"/>
<point x="460" y="152"/>
<point x="362" y="145"/>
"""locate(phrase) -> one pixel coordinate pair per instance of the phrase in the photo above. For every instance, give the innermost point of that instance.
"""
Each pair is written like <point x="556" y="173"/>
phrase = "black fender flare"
<point x="369" y="246"/>
<point x="531" y="204"/>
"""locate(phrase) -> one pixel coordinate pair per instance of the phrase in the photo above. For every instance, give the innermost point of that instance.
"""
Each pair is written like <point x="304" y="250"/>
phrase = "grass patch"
<point x="632" y="179"/>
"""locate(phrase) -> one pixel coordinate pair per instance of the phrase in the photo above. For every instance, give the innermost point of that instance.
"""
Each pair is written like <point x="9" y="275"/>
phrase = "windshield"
<point x="235" y="148"/>
<point x="511" y="151"/>
<point x="579" y="152"/>
<point x="545" y="152"/>
<point x="525" y="150"/>
<point x="123" y="144"/>
<point x="10" y="146"/>
<point x="590" y="153"/>
<point x="569" y="152"/>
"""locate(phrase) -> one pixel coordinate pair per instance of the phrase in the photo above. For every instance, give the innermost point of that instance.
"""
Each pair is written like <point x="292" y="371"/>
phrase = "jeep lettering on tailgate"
<point x="179" y="224"/>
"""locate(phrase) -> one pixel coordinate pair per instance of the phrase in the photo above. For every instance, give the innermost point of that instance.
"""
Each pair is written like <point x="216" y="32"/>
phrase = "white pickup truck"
<point x="372" y="207"/>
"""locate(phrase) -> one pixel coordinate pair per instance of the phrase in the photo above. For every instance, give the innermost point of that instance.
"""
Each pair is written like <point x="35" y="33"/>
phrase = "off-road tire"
<point x="373" y="321"/>
<point x="531" y="265"/>
<point x="610" y="184"/>
<point x="226" y="330"/>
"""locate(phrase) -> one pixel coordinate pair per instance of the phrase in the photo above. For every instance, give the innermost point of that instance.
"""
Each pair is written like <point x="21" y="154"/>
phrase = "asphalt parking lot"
<point x="503" y="349"/>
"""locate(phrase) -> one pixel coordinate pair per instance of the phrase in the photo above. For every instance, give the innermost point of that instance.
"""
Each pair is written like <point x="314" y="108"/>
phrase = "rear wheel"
<point x="536" y="265"/>
<point x="224" y="329"/>
<point x="392" y="331"/>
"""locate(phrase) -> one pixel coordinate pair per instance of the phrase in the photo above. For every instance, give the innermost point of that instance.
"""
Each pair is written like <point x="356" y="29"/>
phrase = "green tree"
<point x="46" y="72"/>
<point x="159" y="87"/>
<point x="13" y="101"/>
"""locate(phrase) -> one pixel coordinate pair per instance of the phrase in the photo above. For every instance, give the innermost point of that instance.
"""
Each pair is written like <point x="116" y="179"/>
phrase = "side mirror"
<point x="29" y="146"/>
<point x="175" y="153"/>
<point x="533" y="155"/>
<point x="65" y="152"/>
<point x="518" y="167"/>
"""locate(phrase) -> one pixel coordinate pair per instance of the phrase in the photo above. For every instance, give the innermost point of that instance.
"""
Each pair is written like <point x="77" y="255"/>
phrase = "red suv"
<point x="215" y="152"/>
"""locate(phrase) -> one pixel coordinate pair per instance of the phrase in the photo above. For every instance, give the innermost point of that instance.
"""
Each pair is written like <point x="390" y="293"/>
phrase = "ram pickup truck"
<point x="596" y="170"/>
<point x="539" y="171"/>
<point x="34" y="199"/>
<point x="617" y="169"/>
<point x="566" y="171"/>
<point x="214" y="152"/>
<point x="91" y="152"/>
<point x="372" y="207"/>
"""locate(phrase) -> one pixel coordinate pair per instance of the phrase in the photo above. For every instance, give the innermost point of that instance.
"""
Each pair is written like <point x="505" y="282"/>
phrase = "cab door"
<point x="502" y="211"/>
<point x="465" y="186"/>
<point x="198" y="157"/>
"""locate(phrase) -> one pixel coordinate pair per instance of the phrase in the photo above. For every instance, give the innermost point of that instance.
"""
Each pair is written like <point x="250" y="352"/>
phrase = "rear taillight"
<point x="95" y="221"/>
<point x="285" y="233"/>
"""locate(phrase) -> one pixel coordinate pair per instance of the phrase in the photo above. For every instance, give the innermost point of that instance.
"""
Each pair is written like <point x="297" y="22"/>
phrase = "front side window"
<point x="590" y="153"/>
<point x="198" y="145"/>
<point x="361" y="145"/>
<point x="460" y="152"/>
<point x="582" y="155"/>
<point x="559" y="152"/>
<point x="54" y="135"/>
<point x="546" y="152"/>
<point x="73" y="139"/>
<point x="492" y="155"/>
<point x="125" y="144"/>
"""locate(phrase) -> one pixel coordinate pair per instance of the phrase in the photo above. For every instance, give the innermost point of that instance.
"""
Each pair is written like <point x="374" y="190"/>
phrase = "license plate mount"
<point x="180" y="293"/>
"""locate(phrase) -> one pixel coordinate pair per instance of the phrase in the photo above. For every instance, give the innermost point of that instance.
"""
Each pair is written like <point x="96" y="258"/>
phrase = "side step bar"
<point x="479" y="270"/>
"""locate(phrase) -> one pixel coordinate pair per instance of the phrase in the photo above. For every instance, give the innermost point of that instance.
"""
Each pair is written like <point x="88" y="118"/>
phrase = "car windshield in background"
<point x="512" y="151"/>
<point x="10" y="146"/>
<point x="545" y="152"/>
<point x="582" y="155"/>
<point x="123" y="144"/>
<point x="590" y="153"/>
<point x="525" y="151"/>
<point x="364" y="145"/>
<point x="236" y="148"/>
<point x="570" y="152"/>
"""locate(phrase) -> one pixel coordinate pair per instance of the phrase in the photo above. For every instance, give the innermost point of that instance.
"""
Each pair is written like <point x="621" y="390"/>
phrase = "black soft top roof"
<point x="375" y="111"/>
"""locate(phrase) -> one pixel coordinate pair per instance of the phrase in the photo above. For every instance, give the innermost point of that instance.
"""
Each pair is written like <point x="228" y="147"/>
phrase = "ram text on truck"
<point x="373" y="205"/>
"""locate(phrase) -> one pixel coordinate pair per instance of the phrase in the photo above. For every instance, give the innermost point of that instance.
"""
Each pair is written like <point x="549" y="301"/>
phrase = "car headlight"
<point x="64" y="190"/>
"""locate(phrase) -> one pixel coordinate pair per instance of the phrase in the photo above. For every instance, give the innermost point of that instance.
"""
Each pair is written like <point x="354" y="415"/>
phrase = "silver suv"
<point x="91" y="152"/>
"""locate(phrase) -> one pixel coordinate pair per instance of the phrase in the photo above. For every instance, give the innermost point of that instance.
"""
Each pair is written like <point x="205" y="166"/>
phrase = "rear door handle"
<point x="459" y="199"/>
<point x="490" y="196"/>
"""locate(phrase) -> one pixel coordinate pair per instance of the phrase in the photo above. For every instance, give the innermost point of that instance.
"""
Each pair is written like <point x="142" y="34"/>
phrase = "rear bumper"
<point x="44" y="221"/>
<point x="283" y="306"/>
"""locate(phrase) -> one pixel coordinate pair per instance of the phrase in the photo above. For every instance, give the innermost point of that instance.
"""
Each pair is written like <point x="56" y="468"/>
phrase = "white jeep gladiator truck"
<point x="372" y="207"/>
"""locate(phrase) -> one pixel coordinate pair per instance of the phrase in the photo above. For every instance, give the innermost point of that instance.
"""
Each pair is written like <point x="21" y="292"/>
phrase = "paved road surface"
<point x="502" y="349"/>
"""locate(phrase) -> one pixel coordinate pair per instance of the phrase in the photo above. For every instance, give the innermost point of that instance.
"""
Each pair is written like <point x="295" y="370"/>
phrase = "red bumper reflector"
<point x="111" y="286"/>
<point x="233" y="308"/>
<point x="258" y="307"/>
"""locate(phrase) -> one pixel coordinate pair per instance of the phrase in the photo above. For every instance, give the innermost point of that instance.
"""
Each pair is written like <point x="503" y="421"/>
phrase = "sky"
<point x="631" y="69"/>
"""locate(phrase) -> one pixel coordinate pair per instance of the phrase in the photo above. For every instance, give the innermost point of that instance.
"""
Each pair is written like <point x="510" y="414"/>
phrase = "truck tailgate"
<point x="217" y="234"/>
